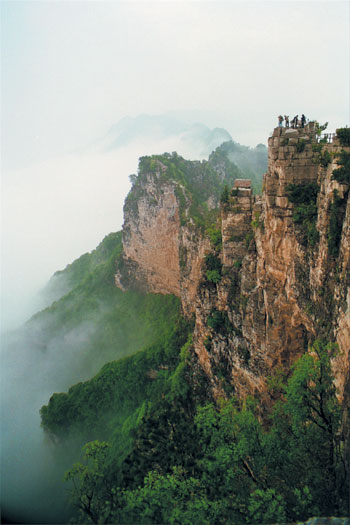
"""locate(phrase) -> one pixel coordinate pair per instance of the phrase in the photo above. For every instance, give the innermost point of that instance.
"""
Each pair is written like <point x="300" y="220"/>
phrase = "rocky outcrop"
<point x="289" y="288"/>
<point x="163" y="250"/>
<point x="280" y="276"/>
<point x="151" y="238"/>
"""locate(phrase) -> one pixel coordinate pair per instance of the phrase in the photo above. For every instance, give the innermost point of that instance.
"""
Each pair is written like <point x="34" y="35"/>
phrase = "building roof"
<point x="242" y="183"/>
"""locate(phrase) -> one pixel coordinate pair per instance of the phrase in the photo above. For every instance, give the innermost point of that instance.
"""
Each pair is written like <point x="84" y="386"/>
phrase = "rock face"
<point x="151" y="238"/>
<point x="163" y="250"/>
<point x="282" y="270"/>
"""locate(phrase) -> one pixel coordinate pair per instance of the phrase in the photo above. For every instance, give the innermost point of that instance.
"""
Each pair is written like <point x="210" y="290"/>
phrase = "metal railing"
<point x="326" y="137"/>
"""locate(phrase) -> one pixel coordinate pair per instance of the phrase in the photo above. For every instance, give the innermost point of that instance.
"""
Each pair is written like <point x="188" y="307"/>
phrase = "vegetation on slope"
<point x="197" y="463"/>
<point x="75" y="273"/>
<point x="342" y="174"/>
<point x="304" y="197"/>
<point x="96" y="319"/>
<point x="199" y="183"/>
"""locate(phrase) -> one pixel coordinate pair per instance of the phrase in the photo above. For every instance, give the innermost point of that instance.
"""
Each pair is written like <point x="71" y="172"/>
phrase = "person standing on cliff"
<point x="280" y="121"/>
<point x="295" y="122"/>
<point x="303" y="119"/>
<point x="286" y="118"/>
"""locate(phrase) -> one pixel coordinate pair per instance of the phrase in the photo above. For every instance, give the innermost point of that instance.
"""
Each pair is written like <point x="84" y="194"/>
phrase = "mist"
<point x="70" y="71"/>
<point x="32" y="470"/>
<point x="53" y="212"/>
<point x="56" y="210"/>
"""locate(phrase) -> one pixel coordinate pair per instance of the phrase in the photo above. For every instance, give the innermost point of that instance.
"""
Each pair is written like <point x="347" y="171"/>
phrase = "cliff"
<point x="258" y="279"/>
<point x="166" y="216"/>
<point x="264" y="276"/>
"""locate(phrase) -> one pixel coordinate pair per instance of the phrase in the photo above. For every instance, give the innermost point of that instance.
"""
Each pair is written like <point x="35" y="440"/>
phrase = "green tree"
<point x="315" y="414"/>
<point x="266" y="506"/>
<point x="225" y="195"/>
<point x="223" y="462"/>
<point x="89" y="487"/>
<point x="173" y="498"/>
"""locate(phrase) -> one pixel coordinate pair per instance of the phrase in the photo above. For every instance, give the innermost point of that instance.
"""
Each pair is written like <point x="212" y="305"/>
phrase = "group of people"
<point x="294" y="123"/>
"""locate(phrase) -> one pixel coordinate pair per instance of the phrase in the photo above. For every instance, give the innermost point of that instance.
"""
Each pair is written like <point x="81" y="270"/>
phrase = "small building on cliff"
<point x="242" y="184"/>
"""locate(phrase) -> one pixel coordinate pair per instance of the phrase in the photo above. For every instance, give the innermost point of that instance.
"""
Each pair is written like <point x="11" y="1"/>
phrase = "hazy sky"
<point x="71" y="69"/>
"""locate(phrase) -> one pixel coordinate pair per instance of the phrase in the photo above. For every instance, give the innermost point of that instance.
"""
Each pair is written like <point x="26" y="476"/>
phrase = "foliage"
<point x="213" y="276"/>
<point x="317" y="148"/>
<point x="256" y="222"/>
<point x="342" y="174"/>
<point x="98" y="320"/>
<point x="304" y="197"/>
<point x="225" y="195"/>
<point x="132" y="178"/>
<point x="171" y="498"/>
<point x="218" y="321"/>
<point x="300" y="145"/>
<point x="213" y="267"/>
<point x="77" y="272"/>
<point x="215" y="237"/>
<point x="222" y="464"/>
<point x="325" y="158"/>
<point x="320" y="127"/>
<point x="266" y="506"/>
<point x="95" y="408"/>
<point x="302" y="193"/>
<point x="89" y="487"/>
<point x="198" y="184"/>
<point x="344" y="136"/>
<point x="336" y="216"/>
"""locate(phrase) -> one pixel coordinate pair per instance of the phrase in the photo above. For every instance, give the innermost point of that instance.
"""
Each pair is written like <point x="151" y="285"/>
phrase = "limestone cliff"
<point x="165" y="218"/>
<point x="279" y="277"/>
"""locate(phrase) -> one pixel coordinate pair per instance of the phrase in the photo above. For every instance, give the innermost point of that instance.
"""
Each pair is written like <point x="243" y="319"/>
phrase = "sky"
<point x="71" y="69"/>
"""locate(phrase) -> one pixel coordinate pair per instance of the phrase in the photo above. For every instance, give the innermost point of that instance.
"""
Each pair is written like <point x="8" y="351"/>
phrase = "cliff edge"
<point x="263" y="276"/>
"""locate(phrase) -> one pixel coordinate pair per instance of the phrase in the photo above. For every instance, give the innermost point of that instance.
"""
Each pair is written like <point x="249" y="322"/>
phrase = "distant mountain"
<point x="196" y="137"/>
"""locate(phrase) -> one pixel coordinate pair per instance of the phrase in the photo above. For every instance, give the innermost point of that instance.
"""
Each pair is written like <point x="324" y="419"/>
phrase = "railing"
<point x="326" y="137"/>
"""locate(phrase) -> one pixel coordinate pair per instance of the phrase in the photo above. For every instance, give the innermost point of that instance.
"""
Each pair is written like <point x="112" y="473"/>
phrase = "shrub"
<point x="317" y="148"/>
<point x="325" y="158"/>
<point x="215" y="237"/>
<point x="304" y="196"/>
<point x="342" y="174"/>
<point x="212" y="262"/>
<point x="214" y="268"/>
<point x="336" y="216"/>
<point x="320" y="128"/>
<point x="302" y="193"/>
<point x="344" y="136"/>
<point x="301" y="146"/>
<point x="218" y="321"/>
<point x="225" y="195"/>
<point x="213" y="276"/>
<point x="256" y="223"/>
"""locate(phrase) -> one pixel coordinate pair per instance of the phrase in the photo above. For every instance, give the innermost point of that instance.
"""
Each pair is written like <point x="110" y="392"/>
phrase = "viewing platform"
<point x="309" y="132"/>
